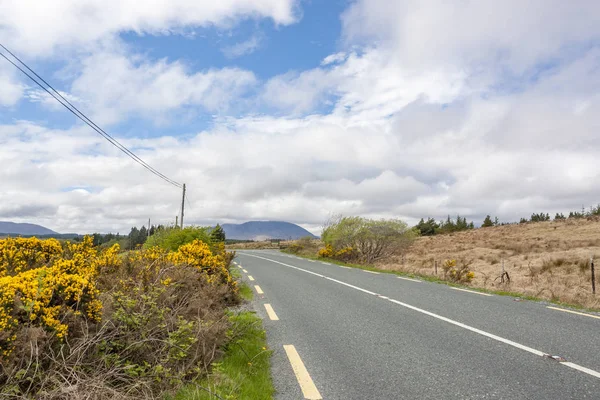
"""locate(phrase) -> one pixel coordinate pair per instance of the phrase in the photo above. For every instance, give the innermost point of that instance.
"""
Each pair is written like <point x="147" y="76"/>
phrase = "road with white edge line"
<point x="342" y="333"/>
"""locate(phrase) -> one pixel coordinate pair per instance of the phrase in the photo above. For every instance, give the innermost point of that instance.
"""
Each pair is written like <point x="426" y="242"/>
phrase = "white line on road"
<point x="245" y="271"/>
<point x="341" y="266"/>
<point x="371" y="272"/>
<point x="250" y="278"/>
<point x="409" y="279"/>
<point x="582" y="369"/>
<point x="271" y="313"/>
<point x="471" y="291"/>
<point x="448" y="320"/>
<point x="304" y="380"/>
<point x="574" y="312"/>
<point x="258" y="289"/>
<point x="325" y="263"/>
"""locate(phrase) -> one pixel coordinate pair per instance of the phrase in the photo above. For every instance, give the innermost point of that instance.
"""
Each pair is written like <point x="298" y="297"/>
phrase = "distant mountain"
<point x="262" y="230"/>
<point x="24" y="229"/>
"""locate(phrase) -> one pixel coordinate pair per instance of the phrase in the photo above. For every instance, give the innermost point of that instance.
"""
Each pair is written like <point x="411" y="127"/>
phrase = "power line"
<point x="75" y="111"/>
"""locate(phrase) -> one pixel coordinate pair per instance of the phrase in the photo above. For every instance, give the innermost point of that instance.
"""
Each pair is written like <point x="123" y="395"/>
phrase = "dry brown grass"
<point x="549" y="260"/>
<point x="253" y="246"/>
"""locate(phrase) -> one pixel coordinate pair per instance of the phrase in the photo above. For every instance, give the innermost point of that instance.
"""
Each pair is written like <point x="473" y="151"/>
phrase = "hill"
<point x="14" y="228"/>
<point x="262" y="230"/>
<point x="545" y="259"/>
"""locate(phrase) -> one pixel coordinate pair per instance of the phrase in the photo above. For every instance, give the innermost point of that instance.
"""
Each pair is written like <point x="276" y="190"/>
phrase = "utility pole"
<point x="182" y="205"/>
<point x="148" y="227"/>
<point x="176" y="221"/>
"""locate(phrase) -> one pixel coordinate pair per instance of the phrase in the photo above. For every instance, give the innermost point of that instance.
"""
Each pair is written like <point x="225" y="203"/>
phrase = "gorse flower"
<point x="42" y="283"/>
<point x="46" y="284"/>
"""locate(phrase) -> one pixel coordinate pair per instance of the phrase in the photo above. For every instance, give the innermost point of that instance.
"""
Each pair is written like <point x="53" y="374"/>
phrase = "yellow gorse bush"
<point x="199" y="255"/>
<point x="19" y="254"/>
<point x="329" y="251"/>
<point x="326" y="252"/>
<point x="460" y="274"/>
<point x="42" y="283"/>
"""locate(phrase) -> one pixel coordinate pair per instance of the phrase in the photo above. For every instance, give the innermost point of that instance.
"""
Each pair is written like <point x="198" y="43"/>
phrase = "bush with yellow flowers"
<point x="326" y="252"/>
<point x="458" y="271"/>
<point x="20" y="254"/>
<point x="106" y="324"/>
<point x="42" y="285"/>
<point x="342" y="254"/>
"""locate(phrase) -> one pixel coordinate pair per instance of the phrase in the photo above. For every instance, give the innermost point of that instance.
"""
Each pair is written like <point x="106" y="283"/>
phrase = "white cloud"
<point x="117" y="86"/>
<point x="40" y="27"/>
<point x="446" y="108"/>
<point x="35" y="95"/>
<point x="240" y="49"/>
<point x="11" y="91"/>
<point x="474" y="34"/>
<point x="334" y="58"/>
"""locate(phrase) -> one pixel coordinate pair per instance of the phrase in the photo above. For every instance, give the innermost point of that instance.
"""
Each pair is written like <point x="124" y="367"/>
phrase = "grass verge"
<point x="244" y="372"/>
<point x="435" y="279"/>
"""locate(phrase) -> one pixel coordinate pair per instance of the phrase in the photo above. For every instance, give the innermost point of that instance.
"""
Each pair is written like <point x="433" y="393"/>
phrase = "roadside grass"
<point x="439" y="280"/>
<point x="245" y="291"/>
<point x="244" y="372"/>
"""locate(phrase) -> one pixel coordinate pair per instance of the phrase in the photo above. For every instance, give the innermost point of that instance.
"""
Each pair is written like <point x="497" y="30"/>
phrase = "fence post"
<point x="593" y="275"/>
<point x="435" y="266"/>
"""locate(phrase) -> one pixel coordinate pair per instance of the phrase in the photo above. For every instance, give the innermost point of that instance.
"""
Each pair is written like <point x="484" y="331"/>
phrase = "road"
<point x="344" y="333"/>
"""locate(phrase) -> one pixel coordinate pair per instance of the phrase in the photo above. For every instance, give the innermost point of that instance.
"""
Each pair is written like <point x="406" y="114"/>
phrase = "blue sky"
<point x="279" y="50"/>
<point x="296" y="110"/>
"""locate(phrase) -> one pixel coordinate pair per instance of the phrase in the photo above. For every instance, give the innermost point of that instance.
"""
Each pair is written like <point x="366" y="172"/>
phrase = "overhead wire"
<point x="75" y="111"/>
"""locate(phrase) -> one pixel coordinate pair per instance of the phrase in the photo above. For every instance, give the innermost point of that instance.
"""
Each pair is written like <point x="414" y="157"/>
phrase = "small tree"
<point x="217" y="234"/>
<point x="487" y="222"/>
<point x="370" y="240"/>
<point x="428" y="228"/>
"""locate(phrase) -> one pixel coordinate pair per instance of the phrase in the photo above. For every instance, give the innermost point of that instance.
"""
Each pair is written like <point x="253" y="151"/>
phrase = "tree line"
<point x="431" y="227"/>
<point x="138" y="236"/>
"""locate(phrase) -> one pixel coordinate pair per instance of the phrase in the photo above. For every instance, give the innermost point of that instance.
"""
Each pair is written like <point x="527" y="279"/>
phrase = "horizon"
<point x="293" y="110"/>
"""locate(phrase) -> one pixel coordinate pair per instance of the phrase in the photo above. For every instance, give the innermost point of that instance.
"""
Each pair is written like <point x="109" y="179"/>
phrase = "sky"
<point x="297" y="110"/>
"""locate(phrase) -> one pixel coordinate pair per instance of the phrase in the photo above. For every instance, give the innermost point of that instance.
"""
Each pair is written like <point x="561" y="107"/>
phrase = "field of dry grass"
<point x="549" y="260"/>
<point x="253" y="246"/>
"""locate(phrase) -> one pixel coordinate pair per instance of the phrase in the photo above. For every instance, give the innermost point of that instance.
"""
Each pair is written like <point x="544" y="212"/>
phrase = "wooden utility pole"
<point x="176" y="221"/>
<point x="182" y="205"/>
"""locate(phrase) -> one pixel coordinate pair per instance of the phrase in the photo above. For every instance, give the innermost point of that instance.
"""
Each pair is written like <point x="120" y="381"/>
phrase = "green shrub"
<point x="366" y="240"/>
<point x="173" y="238"/>
<point x="163" y="321"/>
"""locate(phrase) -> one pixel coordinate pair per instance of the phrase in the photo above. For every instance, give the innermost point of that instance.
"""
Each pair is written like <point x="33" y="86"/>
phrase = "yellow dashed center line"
<point x="258" y="289"/>
<point x="471" y="291"/>
<point x="574" y="312"/>
<point x="304" y="380"/>
<point x="245" y="271"/>
<point x="271" y="313"/>
<point x="250" y="278"/>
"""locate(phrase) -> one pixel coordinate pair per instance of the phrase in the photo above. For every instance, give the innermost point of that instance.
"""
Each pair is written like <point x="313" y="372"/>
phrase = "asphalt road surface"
<point x="344" y="333"/>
